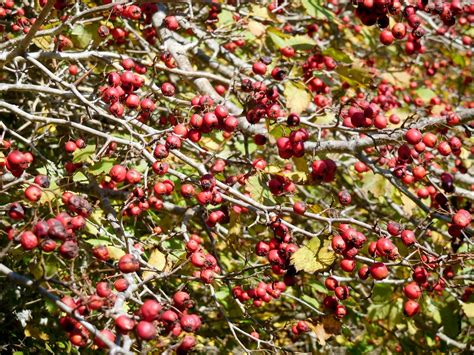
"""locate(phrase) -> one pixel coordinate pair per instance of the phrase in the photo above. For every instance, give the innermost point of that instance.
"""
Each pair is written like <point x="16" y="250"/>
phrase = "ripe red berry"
<point x="348" y="265"/>
<point x="408" y="237"/>
<point x="412" y="290"/>
<point x="345" y="197"/>
<point x="70" y="147"/>
<point x="462" y="218"/>
<point x="146" y="330"/>
<point x="378" y="271"/>
<point x="413" y="136"/>
<point x="168" y="89"/>
<point x="150" y="310"/>
<point x="28" y="240"/>
<point x="299" y="207"/>
<point x="124" y="323"/>
<point x="410" y="308"/>
<point x="331" y="283"/>
<point x="386" y="37"/>
<point x="259" y="68"/>
<point x="33" y="193"/>
<point x="128" y="263"/>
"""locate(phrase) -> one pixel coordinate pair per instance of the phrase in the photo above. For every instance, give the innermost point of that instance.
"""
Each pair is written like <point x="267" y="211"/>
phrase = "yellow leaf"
<point x="468" y="309"/>
<point x="375" y="184"/>
<point x="301" y="164"/>
<point x="297" y="97"/>
<point x="157" y="260"/>
<point x="259" y="11"/>
<point x="32" y="331"/>
<point x="408" y="205"/>
<point x="209" y="144"/>
<point x="313" y="256"/>
<point x="45" y="42"/>
<point x="114" y="252"/>
<point x="256" y="28"/>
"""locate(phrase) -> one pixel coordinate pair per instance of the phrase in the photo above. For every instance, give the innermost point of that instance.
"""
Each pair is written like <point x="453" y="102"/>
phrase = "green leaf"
<point x="355" y="76"/>
<point x="318" y="287"/>
<point x="312" y="301"/>
<point x="316" y="10"/>
<point x="114" y="252"/>
<point x="279" y="131"/>
<point x="313" y="256"/>
<point x="433" y="311"/>
<point x="97" y="242"/>
<point x="82" y="35"/>
<point x="451" y="318"/>
<point x="381" y="293"/>
<point x="337" y="55"/>
<point x="297" y="97"/>
<point x="103" y="166"/>
<point x="425" y="94"/>
<point x="375" y="184"/>
<point x="259" y="190"/>
<point x="225" y="17"/>
<point x="279" y="38"/>
<point x="81" y="155"/>
<point x="79" y="177"/>
<point x="468" y="309"/>
<point x="301" y="42"/>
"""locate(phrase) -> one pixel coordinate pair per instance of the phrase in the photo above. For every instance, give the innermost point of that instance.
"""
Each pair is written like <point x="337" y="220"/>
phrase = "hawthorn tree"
<point x="225" y="176"/>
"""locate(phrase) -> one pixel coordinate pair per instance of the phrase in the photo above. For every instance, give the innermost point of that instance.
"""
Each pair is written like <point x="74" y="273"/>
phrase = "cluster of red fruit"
<point x="150" y="320"/>
<point x="15" y="17"/>
<point x="206" y="262"/>
<point x="263" y="292"/>
<point x="279" y="249"/>
<point x="46" y="233"/>
<point x="341" y="293"/>
<point x="262" y="101"/>
<point x="207" y="118"/>
<point x="318" y="62"/>
<point x="323" y="170"/>
<point x="121" y="91"/>
<point x="372" y="12"/>
<point x="293" y="145"/>
<point x="16" y="162"/>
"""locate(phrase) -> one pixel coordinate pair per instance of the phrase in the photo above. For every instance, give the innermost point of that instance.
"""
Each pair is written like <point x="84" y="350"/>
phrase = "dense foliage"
<point x="224" y="176"/>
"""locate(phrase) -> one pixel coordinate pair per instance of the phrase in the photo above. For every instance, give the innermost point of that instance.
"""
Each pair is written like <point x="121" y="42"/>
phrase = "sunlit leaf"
<point x="313" y="256"/>
<point x="81" y="155"/>
<point x="297" y="97"/>
<point x="114" y="252"/>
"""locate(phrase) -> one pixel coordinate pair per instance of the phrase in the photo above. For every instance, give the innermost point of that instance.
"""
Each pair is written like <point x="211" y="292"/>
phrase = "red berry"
<point x="146" y="330"/>
<point x="412" y="291"/>
<point x="378" y="271"/>
<point x="462" y="219"/>
<point x="410" y="308"/>
<point x="128" y="263"/>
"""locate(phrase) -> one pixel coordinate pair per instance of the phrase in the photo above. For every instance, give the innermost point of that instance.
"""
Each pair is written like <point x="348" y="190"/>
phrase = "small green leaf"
<point x="301" y="42"/>
<point x="337" y="55"/>
<point x="315" y="9"/>
<point x="312" y="301"/>
<point x="259" y="190"/>
<point x="355" y="76"/>
<point x="425" y="94"/>
<point x="103" y="166"/>
<point x="375" y="184"/>
<point x="97" y="242"/>
<point x="81" y="155"/>
<point x="114" y="252"/>
<point x="82" y="35"/>
<point x="279" y="38"/>
<point x="381" y="293"/>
